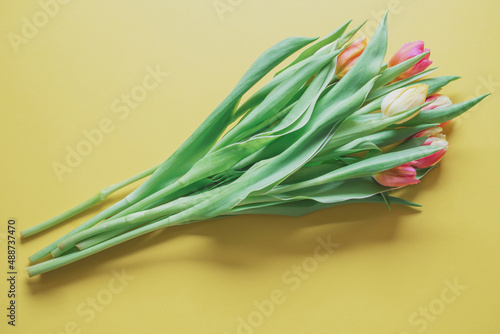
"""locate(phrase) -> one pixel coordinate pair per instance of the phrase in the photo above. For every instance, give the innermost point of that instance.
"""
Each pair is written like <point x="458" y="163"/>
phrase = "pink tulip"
<point x="347" y="58"/>
<point x="407" y="51"/>
<point x="431" y="160"/>
<point x="433" y="131"/>
<point x="397" y="177"/>
<point x="439" y="101"/>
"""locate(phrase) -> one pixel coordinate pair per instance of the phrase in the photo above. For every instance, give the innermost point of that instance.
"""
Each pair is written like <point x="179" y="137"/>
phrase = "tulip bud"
<point x="431" y="160"/>
<point x="439" y="101"/>
<point x="433" y="131"/>
<point x="347" y="58"/>
<point x="399" y="176"/>
<point x="403" y="99"/>
<point x="407" y="51"/>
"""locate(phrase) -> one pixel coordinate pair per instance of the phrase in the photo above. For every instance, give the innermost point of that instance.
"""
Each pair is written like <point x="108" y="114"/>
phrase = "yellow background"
<point x="389" y="267"/>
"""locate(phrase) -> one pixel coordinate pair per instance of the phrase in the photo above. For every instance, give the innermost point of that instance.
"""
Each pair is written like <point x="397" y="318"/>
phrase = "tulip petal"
<point x="399" y="176"/>
<point x="408" y="51"/>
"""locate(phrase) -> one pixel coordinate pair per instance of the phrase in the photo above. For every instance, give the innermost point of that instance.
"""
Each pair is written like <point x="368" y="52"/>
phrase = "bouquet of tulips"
<point x="335" y="126"/>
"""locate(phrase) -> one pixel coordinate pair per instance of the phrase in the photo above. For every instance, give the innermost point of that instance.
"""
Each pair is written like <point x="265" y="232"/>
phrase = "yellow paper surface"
<point x="137" y="77"/>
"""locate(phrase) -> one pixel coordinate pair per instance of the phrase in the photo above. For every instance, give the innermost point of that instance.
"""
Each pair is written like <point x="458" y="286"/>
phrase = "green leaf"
<point x="276" y="99"/>
<point x="365" y="69"/>
<point x="332" y="192"/>
<point x="382" y="91"/>
<point x="410" y="143"/>
<point x="357" y="126"/>
<point x="344" y="39"/>
<point x="319" y="120"/>
<point x="303" y="109"/>
<point x="311" y="171"/>
<point x="387" y="200"/>
<point x="365" y="167"/>
<point x="263" y="92"/>
<point x="392" y="136"/>
<point x="356" y="146"/>
<point x="444" y="114"/>
<point x="304" y="207"/>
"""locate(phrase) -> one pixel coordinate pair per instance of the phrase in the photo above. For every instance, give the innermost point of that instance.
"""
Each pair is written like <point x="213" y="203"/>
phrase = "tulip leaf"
<point x="361" y="125"/>
<point x="318" y="120"/>
<point x="345" y="38"/>
<point x="444" y="114"/>
<point x="365" y="167"/>
<point x="303" y="109"/>
<point x="365" y="69"/>
<point x="402" y="83"/>
<point x="304" y="207"/>
<point x="356" y="146"/>
<point x="337" y="191"/>
<point x="311" y="171"/>
<point x="263" y="92"/>
<point x="276" y="99"/>
<point x="392" y="136"/>
<point x="410" y="143"/>
<point x="386" y="198"/>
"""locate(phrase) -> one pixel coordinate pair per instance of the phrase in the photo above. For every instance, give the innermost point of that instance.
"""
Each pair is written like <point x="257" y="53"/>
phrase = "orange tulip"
<point x="347" y="58"/>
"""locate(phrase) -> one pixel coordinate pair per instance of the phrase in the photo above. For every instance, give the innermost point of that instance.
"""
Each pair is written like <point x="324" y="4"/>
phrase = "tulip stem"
<point x="97" y="198"/>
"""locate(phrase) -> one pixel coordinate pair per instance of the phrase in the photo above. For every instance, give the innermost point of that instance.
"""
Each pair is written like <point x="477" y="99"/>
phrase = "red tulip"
<point x="433" y="131"/>
<point x="439" y="101"/>
<point x="431" y="160"/>
<point x="397" y="177"/>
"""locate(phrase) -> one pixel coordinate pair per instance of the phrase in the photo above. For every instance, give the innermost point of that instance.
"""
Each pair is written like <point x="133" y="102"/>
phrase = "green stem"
<point x="114" y="227"/>
<point x="97" y="198"/>
<point x="58" y="262"/>
<point x="97" y="239"/>
<point x="115" y="208"/>
<point x="110" y="234"/>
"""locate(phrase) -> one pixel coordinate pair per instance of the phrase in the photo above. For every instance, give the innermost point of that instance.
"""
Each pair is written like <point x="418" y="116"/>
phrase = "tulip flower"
<point x="439" y="101"/>
<point x="403" y="99"/>
<point x="432" y="131"/>
<point x="431" y="160"/>
<point x="399" y="176"/>
<point x="348" y="57"/>
<point x="407" y="51"/>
